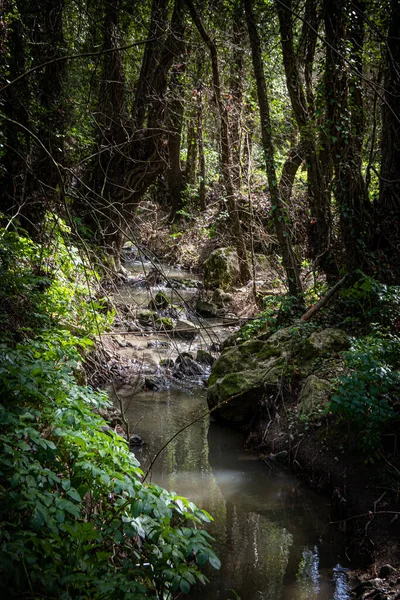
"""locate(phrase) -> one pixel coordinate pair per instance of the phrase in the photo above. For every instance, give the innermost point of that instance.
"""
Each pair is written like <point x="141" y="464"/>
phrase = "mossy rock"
<point x="206" y="309"/>
<point x="237" y="372"/>
<point x="165" y="323"/>
<point x="221" y="269"/>
<point x="238" y="394"/>
<point x="159" y="302"/>
<point x="314" y="396"/>
<point x="146" y="317"/>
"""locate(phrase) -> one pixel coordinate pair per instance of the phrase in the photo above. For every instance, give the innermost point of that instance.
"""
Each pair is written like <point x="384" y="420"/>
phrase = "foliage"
<point x="77" y="522"/>
<point x="280" y="311"/>
<point x="366" y="393"/>
<point x="369" y="301"/>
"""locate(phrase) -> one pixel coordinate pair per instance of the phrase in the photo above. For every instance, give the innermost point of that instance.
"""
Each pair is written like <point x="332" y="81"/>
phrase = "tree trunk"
<point x="226" y="158"/>
<point x="387" y="209"/>
<point x="345" y="131"/>
<point x="279" y="212"/>
<point x="298" y="69"/>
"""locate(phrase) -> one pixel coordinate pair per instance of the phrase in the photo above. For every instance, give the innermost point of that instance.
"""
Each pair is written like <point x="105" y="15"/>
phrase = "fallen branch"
<point x="324" y="300"/>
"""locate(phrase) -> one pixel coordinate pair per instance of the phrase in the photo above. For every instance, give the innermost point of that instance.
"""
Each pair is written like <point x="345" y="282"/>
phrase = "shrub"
<point x="366" y="393"/>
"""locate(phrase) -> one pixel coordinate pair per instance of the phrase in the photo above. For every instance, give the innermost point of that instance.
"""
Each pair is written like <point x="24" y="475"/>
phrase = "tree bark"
<point x="298" y="69"/>
<point x="387" y="209"/>
<point x="279" y="212"/>
<point x="345" y="131"/>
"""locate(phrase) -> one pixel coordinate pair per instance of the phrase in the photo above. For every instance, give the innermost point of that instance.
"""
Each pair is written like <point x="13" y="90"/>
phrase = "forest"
<point x="254" y="147"/>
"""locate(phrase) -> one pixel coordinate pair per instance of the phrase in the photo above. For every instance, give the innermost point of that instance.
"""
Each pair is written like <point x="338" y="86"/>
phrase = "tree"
<point x="279" y="211"/>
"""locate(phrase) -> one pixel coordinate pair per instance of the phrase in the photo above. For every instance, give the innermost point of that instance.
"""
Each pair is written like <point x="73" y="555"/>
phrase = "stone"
<point x="314" y="395"/>
<point x="205" y="357"/>
<point x="158" y="344"/>
<point x="188" y="366"/>
<point x="221" y="269"/>
<point x="206" y="309"/>
<point x="329" y="341"/>
<point x="159" y="302"/>
<point x="386" y="571"/>
<point x="164" y="323"/>
<point x="221" y="299"/>
<point x="146" y="317"/>
<point x="167" y="363"/>
<point x="283" y="455"/>
<point x="186" y="329"/>
<point x="120" y="341"/>
<point x="151" y="383"/>
<point x="237" y="394"/>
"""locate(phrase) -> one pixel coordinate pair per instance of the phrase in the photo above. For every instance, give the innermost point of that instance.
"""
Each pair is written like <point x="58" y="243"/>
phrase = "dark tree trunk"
<point x="387" y="209"/>
<point x="226" y="157"/>
<point x="345" y="130"/>
<point x="279" y="212"/>
<point x="34" y="135"/>
<point x="237" y="79"/>
<point x="175" y="175"/>
<point x="298" y="68"/>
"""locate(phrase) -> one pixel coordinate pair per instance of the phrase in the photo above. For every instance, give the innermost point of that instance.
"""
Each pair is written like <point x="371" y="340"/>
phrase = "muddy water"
<point x="267" y="526"/>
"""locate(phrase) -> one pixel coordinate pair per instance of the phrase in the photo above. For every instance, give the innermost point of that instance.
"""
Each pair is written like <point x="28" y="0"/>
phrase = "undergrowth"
<point x="77" y="521"/>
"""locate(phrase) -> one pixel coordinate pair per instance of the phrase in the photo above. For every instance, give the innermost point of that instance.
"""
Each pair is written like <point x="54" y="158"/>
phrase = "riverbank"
<point x="325" y="454"/>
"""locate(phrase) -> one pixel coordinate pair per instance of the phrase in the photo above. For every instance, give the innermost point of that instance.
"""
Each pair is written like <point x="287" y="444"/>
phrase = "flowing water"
<point x="268" y="526"/>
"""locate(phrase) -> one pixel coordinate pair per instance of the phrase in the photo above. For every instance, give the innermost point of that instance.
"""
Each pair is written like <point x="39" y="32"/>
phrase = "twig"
<point x="324" y="300"/>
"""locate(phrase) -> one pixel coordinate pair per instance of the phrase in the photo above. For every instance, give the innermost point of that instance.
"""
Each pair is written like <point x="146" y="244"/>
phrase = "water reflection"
<point x="267" y="526"/>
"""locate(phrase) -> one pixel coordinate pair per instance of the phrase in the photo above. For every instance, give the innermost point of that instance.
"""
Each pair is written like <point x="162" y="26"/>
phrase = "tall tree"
<point x="298" y="64"/>
<point x="387" y="207"/>
<point x="279" y="211"/>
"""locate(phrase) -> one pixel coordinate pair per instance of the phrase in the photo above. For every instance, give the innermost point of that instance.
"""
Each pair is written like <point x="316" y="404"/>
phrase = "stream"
<point x="267" y="525"/>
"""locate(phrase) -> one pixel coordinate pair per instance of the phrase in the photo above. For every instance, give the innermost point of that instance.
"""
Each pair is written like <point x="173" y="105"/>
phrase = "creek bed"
<point x="267" y="525"/>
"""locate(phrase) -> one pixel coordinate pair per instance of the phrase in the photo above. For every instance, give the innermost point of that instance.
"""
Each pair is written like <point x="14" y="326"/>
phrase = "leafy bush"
<point x="366" y="393"/>
<point x="280" y="311"/>
<point x="77" y="521"/>
<point x="369" y="301"/>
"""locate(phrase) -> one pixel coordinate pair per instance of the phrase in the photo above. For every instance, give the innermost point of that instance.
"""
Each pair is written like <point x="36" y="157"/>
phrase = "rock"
<point x="146" y="317"/>
<point x="164" y="323"/>
<point x="314" y="395"/>
<point x="386" y="571"/>
<point x="186" y="329"/>
<point x="152" y="383"/>
<point x="135" y="440"/>
<point x="283" y="455"/>
<point x="221" y="299"/>
<point x="158" y="344"/>
<point x="182" y="356"/>
<point x="249" y="371"/>
<point x="238" y="394"/>
<point x="80" y="375"/>
<point x="206" y="309"/>
<point x="205" y="357"/>
<point x="221" y="269"/>
<point x="329" y="341"/>
<point x="188" y="366"/>
<point x="159" y="302"/>
<point x="167" y="363"/>
<point x="120" y="341"/>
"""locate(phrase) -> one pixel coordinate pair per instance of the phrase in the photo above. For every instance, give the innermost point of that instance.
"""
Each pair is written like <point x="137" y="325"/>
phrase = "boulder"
<point x="186" y="329"/>
<point x="246" y="373"/>
<point x="221" y="269"/>
<point x="206" y="309"/>
<point x="159" y="302"/>
<point x="221" y="299"/>
<point x="237" y="394"/>
<point x="146" y="317"/>
<point x="329" y="341"/>
<point x="205" y="357"/>
<point x="314" y="395"/>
